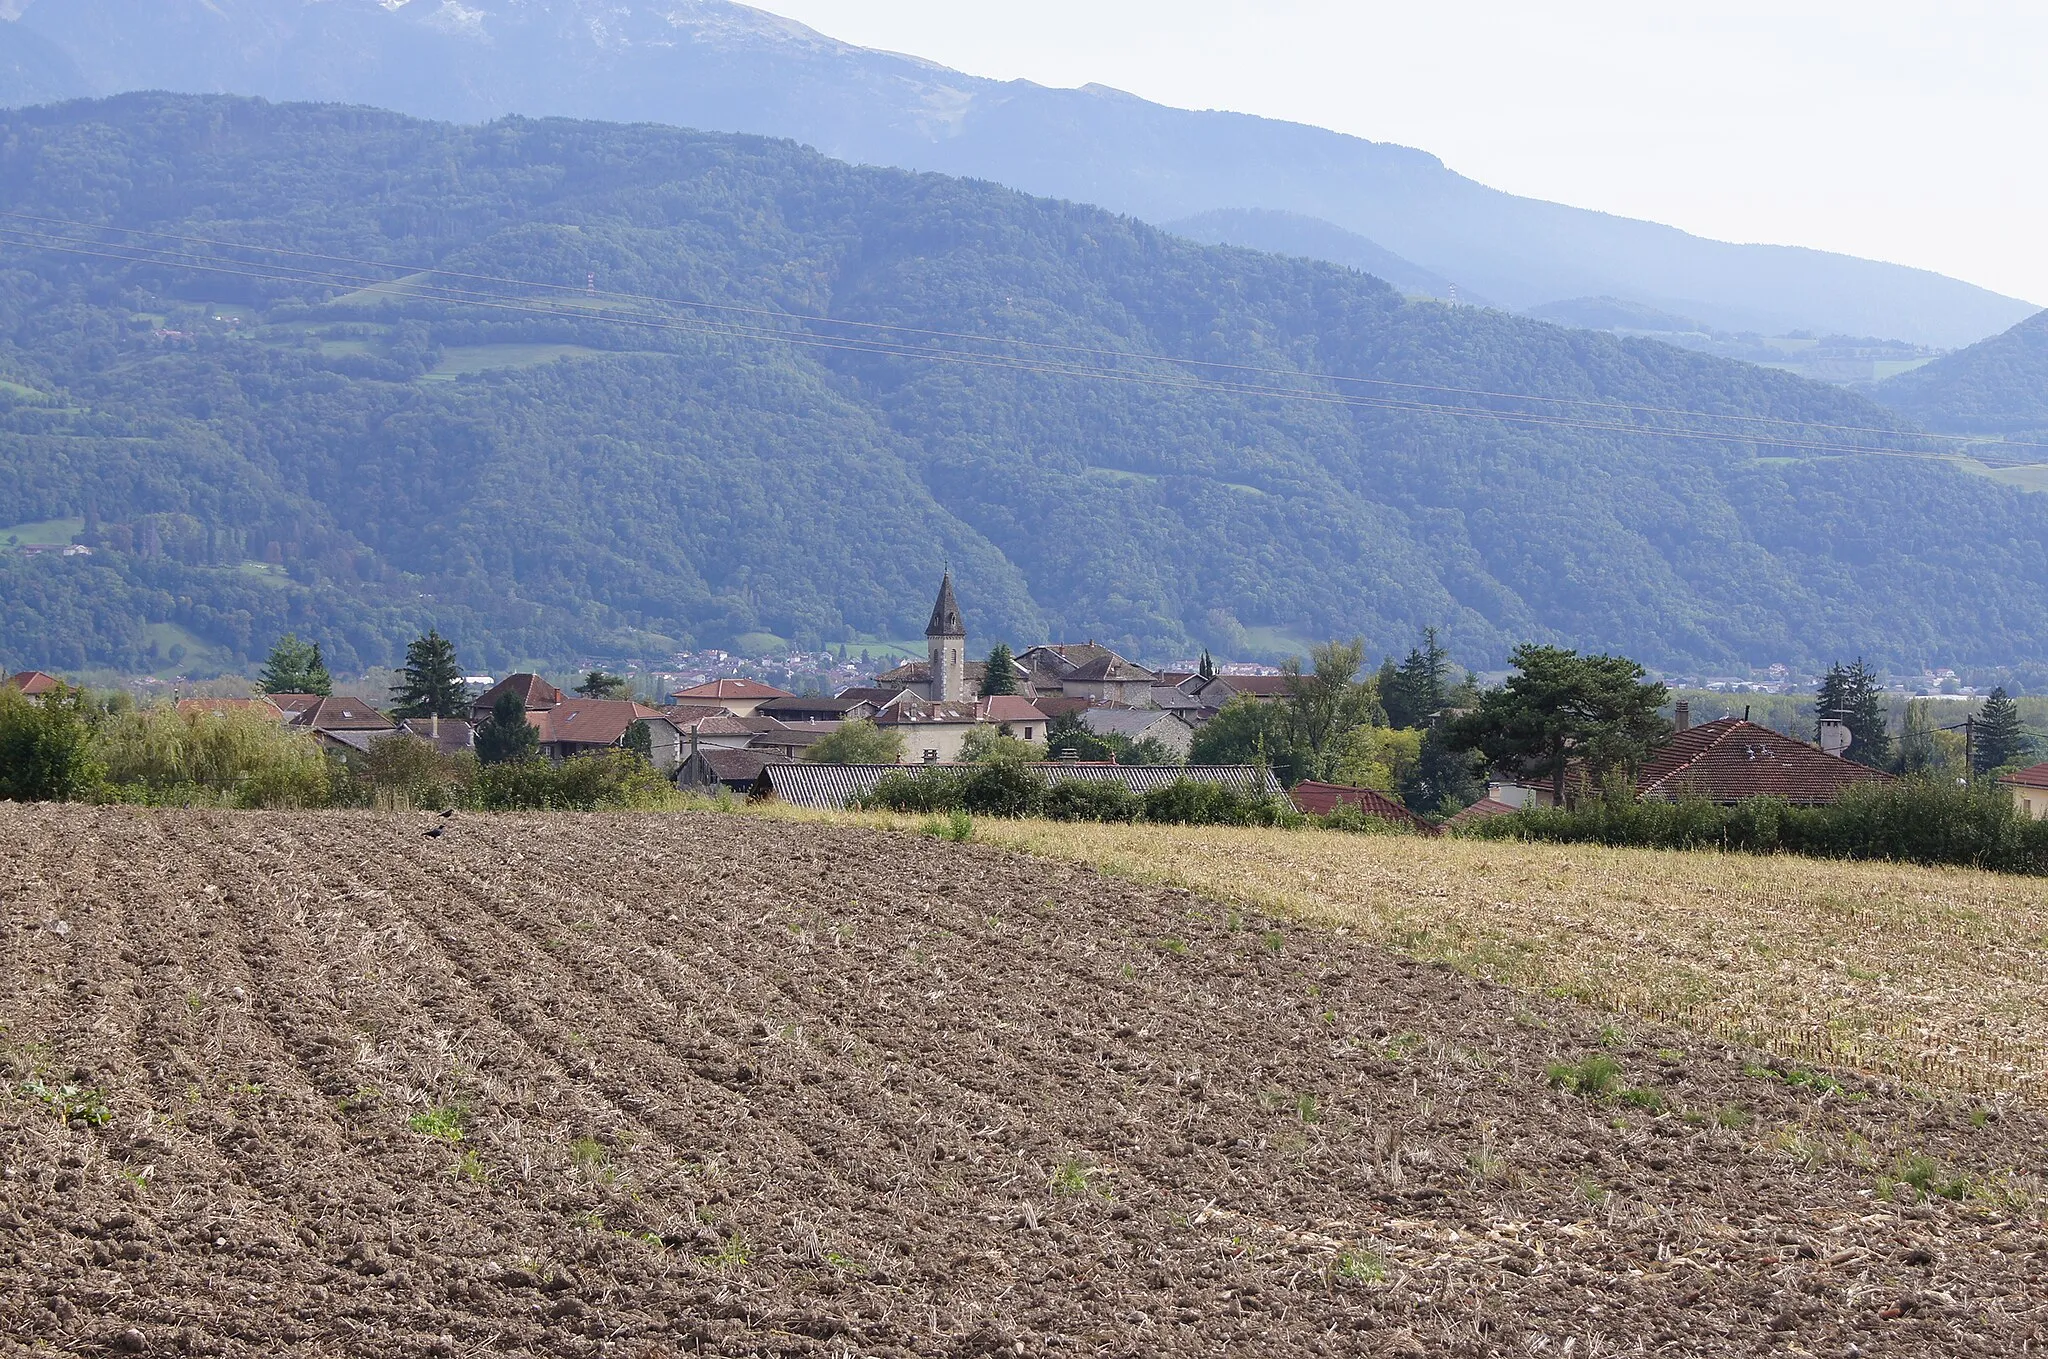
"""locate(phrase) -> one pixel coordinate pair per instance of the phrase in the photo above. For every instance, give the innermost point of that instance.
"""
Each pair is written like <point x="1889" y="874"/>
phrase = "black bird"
<point x="448" y="813"/>
<point x="435" y="833"/>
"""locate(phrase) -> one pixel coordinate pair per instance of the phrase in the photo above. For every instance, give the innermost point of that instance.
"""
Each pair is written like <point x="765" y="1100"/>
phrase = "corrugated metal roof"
<point x="829" y="787"/>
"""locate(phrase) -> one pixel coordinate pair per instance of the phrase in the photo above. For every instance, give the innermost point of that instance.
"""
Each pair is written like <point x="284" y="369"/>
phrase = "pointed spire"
<point x="946" y="613"/>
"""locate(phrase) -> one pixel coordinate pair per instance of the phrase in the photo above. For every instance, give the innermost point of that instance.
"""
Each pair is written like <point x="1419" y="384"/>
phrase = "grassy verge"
<point x="1934" y="976"/>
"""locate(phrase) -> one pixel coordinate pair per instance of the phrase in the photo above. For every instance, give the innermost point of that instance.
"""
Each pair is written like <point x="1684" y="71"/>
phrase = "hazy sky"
<point x="1915" y="133"/>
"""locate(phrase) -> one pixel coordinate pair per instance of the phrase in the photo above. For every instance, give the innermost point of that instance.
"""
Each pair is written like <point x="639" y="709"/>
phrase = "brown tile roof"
<point x="1107" y="668"/>
<point x="1483" y="810"/>
<point x="1320" y="799"/>
<point x="535" y="692"/>
<point x="1060" y="658"/>
<point x="736" y="767"/>
<point x="34" y="683"/>
<point x="220" y="706"/>
<point x="2033" y="776"/>
<point x="588" y="721"/>
<point x="879" y="695"/>
<point x="740" y="689"/>
<point x="685" y="714"/>
<point x="294" y="703"/>
<point x="1258" y="686"/>
<point x="1009" y="708"/>
<point x="450" y="735"/>
<point x="809" y="709"/>
<point x="1060" y="705"/>
<point x="916" y="712"/>
<point x="343" y="712"/>
<point x="1730" y="759"/>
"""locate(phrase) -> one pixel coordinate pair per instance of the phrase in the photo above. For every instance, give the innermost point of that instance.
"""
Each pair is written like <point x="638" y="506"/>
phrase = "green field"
<point x="463" y="360"/>
<point x="43" y="533"/>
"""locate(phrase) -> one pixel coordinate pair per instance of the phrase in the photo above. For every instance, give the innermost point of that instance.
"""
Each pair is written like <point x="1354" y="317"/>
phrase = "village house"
<point x="2029" y="790"/>
<point x="740" y="697"/>
<point x="34" y="683"/>
<point x="581" y="726"/>
<point x="1142" y="724"/>
<point x="1321" y="799"/>
<point x="709" y="769"/>
<point x="221" y="707"/>
<point x="533" y="691"/>
<point x="340" y="721"/>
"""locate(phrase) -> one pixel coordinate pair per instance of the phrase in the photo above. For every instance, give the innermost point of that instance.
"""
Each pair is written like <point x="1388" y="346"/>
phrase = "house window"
<point x="931" y="757"/>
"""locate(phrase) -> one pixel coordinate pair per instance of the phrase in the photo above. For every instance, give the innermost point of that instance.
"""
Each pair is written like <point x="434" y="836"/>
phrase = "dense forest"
<point x="1107" y="430"/>
<point x="1996" y="386"/>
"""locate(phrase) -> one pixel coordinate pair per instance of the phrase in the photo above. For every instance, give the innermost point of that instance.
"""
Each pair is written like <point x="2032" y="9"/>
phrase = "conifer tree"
<point x="601" y="684"/>
<point x="2001" y="739"/>
<point x="506" y="737"/>
<point x="295" y="667"/>
<point x="1851" y="695"/>
<point x="431" y="683"/>
<point x="999" y="676"/>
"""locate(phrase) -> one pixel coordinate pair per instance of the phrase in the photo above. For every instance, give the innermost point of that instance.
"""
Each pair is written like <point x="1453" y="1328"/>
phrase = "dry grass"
<point x="1934" y="976"/>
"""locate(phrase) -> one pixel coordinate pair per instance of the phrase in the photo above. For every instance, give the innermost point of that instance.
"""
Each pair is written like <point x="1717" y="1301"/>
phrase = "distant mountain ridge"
<point x="722" y="66"/>
<point x="1996" y="386"/>
<point x="1290" y="233"/>
<point x="592" y="475"/>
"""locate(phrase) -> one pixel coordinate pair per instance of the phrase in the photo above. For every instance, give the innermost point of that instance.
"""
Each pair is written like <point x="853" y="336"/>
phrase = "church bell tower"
<point x="946" y="638"/>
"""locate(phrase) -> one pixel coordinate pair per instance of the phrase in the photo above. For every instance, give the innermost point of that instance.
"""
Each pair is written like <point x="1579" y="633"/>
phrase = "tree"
<point x="506" y="737"/>
<point x="639" y="739"/>
<point x="1207" y="668"/>
<point x="1375" y="757"/>
<point x="46" y="745"/>
<point x="2000" y="739"/>
<point x="1562" y="707"/>
<point x="1067" y="734"/>
<point x="1420" y="688"/>
<point x="1247" y="731"/>
<point x="986" y="745"/>
<point x="1326" y="701"/>
<point x="858" y="742"/>
<point x="431" y="683"/>
<point x="295" y="667"/>
<point x="1852" y="695"/>
<point x="1000" y="675"/>
<point x="1444" y="780"/>
<point x="599" y="684"/>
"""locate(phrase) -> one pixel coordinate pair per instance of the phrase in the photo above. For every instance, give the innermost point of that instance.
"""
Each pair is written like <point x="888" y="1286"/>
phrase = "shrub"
<point x="1004" y="788"/>
<point x="46" y="746"/>
<point x="401" y="773"/>
<point x="235" y="758"/>
<point x="607" y="780"/>
<point x="1076" y="799"/>
<point x="1912" y="820"/>
<point x="909" y="790"/>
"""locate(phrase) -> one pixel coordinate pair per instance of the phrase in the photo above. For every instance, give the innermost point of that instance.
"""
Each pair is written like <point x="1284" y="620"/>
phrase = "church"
<point x="947" y="676"/>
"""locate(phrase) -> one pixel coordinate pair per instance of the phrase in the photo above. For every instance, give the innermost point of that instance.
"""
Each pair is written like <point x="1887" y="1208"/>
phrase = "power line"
<point x="435" y="292"/>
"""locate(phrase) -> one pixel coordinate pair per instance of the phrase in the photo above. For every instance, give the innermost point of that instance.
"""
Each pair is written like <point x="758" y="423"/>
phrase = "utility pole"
<point x="1970" y="747"/>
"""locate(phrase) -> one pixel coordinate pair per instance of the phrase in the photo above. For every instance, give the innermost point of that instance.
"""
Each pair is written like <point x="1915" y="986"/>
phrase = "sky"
<point x="1913" y="133"/>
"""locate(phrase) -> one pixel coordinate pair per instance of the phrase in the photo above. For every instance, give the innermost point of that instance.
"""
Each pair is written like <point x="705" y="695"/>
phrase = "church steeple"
<point x="946" y="641"/>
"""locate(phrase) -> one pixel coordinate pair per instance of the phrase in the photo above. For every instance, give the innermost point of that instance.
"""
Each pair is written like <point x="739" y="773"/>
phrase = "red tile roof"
<point x="342" y="712"/>
<point x="1483" y="810"/>
<point x="2033" y="776"/>
<point x="34" y="683"/>
<point x="535" y="692"/>
<point x="1009" y="708"/>
<point x="588" y="721"/>
<point x="294" y="703"/>
<point x="1107" y="668"/>
<point x="1730" y="759"/>
<point x="1258" y="686"/>
<point x="220" y="706"/>
<point x="1320" y="799"/>
<point x="741" y="689"/>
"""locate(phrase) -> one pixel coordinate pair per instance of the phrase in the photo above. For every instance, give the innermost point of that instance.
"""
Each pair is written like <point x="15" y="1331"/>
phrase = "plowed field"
<point x="654" y="1085"/>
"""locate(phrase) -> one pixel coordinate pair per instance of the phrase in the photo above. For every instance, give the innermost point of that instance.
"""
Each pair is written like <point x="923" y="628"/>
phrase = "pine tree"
<point x="599" y="684"/>
<point x="431" y="683"/>
<point x="1207" y="669"/>
<point x="295" y="667"/>
<point x="1851" y="695"/>
<point x="506" y="737"/>
<point x="999" y="676"/>
<point x="2001" y="739"/>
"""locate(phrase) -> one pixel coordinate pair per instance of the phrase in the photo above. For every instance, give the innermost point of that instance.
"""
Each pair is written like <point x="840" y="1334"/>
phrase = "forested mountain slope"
<point x="713" y="64"/>
<point x="255" y="440"/>
<point x="1996" y="386"/>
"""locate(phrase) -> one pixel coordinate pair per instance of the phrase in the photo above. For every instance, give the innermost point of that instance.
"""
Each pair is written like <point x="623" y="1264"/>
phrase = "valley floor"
<point x="656" y="1084"/>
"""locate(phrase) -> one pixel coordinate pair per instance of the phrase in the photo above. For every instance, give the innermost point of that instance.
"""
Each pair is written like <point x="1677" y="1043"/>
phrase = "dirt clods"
<point x="654" y="1086"/>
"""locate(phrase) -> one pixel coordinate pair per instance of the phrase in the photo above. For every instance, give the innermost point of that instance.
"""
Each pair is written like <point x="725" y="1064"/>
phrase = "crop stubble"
<point x="649" y="1085"/>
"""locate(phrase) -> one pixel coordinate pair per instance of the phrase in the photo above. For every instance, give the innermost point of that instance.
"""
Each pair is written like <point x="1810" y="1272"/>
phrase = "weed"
<point x="1641" y="1098"/>
<point x="1979" y="1117"/>
<point x="1592" y="1191"/>
<point x="1611" y="1036"/>
<point x="78" y="1106"/>
<point x="956" y="826"/>
<point x="1670" y="1055"/>
<point x="1361" y="1266"/>
<point x="1071" y="1179"/>
<point x="1234" y="921"/>
<point x="1733" y="1117"/>
<point x="1273" y="940"/>
<point x="1305" y="1107"/>
<point x="1800" y="1078"/>
<point x="1173" y="946"/>
<point x="1593" y="1078"/>
<point x="1397" y="1048"/>
<point x="588" y="1155"/>
<point x="735" y="1252"/>
<point x="444" y="1122"/>
<point x="1923" y="1173"/>
<point x="471" y="1167"/>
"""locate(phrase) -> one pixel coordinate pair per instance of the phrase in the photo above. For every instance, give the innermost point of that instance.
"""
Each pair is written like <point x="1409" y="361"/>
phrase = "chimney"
<point x="1683" y="720"/>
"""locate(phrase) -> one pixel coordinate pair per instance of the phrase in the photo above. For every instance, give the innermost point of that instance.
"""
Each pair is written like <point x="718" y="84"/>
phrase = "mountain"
<point x="575" y="390"/>
<point x="1616" y="314"/>
<point x="1290" y="233"/>
<point x="721" y="66"/>
<point x="1996" y="386"/>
